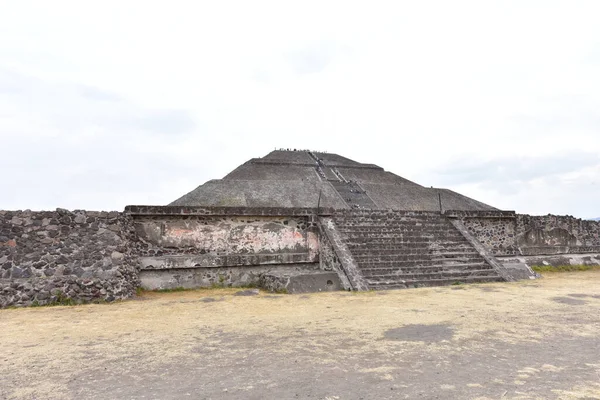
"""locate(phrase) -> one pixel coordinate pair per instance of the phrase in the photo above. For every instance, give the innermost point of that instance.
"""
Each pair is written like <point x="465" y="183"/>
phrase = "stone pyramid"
<point x="305" y="179"/>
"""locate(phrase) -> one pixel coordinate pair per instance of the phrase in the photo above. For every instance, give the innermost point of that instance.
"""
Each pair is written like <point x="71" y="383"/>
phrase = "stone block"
<point x="301" y="283"/>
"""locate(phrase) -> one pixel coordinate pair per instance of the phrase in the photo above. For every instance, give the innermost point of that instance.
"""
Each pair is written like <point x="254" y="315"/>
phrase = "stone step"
<point x="392" y="252"/>
<point x="396" y="249"/>
<point x="415" y="258"/>
<point x="392" y="224"/>
<point x="411" y="256"/>
<point x="410" y="249"/>
<point x="353" y="194"/>
<point x="401" y="233"/>
<point x="432" y="282"/>
<point x="399" y="237"/>
<point x="399" y="228"/>
<point x="377" y="216"/>
<point x="413" y="262"/>
<point x="422" y="264"/>
<point x="375" y="231"/>
<point x="405" y="236"/>
<point x="468" y="251"/>
<point x="372" y="269"/>
<point x="400" y="250"/>
<point x="408" y="255"/>
<point x="367" y="223"/>
<point x="445" y="245"/>
<point x="400" y="245"/>
<point x="329" y="175"/>
<point x="430" y="275"/>
<point x="364" y="257"/>
<point x="458" y="260"/>
<point x="437" y="268"/>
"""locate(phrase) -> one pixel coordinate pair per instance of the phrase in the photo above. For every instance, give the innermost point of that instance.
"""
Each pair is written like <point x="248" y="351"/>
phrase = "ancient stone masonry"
<point x="396" y="249"/>
<point x="496" y="230"/>
<point x="62" y="256"/>
<point x="221" y="246"/>
<point x="291" y="221"/>
<point x="506" y="233"/>
<point x="294" y="179"/>
<point x="557" y="234"/>
<point x="336" y="256"/>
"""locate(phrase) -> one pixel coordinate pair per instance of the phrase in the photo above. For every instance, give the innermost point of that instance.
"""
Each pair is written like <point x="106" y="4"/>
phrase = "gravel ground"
<point x="525" y="340"/>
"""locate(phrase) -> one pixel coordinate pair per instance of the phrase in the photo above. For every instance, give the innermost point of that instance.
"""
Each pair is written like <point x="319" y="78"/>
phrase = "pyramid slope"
<point x="261" y="193"/>
<point x="300" y="178"/>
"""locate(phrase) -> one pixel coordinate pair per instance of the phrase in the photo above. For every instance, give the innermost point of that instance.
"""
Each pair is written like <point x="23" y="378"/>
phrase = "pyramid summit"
<point x="307" y="179"/>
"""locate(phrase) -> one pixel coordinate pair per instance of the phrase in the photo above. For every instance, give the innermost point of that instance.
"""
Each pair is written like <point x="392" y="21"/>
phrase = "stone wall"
<point x="506" y="233"/>
<point x="236" y="276"/>
<point x="221" y="246"/>
<point x="497" y="234"/>
<point x="556" y="234"/>
<point x="228" y="239"/>
<point x="81" y="256"/>
<point x="328" y="257"/>
<point x="65" y="257"/>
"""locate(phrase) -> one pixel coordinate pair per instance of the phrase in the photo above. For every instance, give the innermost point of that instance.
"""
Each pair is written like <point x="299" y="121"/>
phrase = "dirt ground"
<point x="526" y="340"/>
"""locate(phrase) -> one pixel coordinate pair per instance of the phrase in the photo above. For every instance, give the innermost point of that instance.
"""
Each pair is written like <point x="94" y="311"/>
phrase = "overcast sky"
<point x="109" y="103"/>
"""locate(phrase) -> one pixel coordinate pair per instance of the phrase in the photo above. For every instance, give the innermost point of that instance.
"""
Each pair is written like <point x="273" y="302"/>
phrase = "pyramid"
<point x="305" y="179"/>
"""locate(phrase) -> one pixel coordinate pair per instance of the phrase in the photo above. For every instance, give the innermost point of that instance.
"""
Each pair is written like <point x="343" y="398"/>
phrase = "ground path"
<point x="525" y="340"/>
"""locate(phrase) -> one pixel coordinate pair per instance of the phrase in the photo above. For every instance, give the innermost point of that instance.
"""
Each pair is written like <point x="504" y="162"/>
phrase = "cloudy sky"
<point x="109" y="103"/>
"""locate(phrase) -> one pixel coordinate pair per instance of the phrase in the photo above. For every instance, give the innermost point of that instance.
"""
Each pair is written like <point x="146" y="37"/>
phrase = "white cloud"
<point x="146" y="100"/>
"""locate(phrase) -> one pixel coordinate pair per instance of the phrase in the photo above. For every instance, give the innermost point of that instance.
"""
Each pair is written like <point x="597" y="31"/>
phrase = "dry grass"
<point x="44" y="349"/>
<point x="564" y="268"/>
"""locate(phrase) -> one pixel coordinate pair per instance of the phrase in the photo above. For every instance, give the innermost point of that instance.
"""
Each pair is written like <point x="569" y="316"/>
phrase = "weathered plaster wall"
<point x="198" y="247"/>
<point x="60" y="255"/>
<point x="227" y="235"/>
<point x="204" y="251"/>
<point x="556" y="234"/>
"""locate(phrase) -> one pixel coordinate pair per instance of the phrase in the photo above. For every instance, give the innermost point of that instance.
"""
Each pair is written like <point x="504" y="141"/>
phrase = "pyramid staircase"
<point x="403" y="249"/>
<point x="351" y="192"/>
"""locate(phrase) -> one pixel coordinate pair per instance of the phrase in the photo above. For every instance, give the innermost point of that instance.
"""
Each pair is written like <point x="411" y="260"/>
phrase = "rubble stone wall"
<point x="497" y="234"/>
<point x="65" y="257"/>
<point x="558" y="231"/>
<point x="509" y="234"/>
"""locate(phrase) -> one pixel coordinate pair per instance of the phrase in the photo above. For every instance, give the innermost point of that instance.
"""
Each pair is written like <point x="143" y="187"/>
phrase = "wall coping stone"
<point x="223" y="211"/>
<point x="186" y="261"/>
<point x="480" y="214"/>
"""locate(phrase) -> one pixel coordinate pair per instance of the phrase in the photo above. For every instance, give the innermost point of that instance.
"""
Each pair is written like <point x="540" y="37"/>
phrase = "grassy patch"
<point x="59" y="299"/>
<point x="564" y="268"/>
<point x="176" y="289"/>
